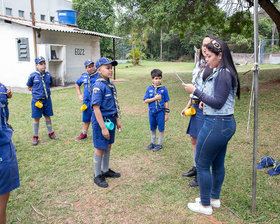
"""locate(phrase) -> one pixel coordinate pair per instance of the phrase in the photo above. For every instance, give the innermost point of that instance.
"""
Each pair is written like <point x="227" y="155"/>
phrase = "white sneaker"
<point x="197" y="207"/>
<point x="215" y="203"/>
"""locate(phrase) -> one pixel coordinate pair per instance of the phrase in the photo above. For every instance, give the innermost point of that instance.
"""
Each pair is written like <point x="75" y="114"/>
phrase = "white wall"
<point x="45" y="7"/>
<point x="14" y="73"/>
<point x="74" y="63"/>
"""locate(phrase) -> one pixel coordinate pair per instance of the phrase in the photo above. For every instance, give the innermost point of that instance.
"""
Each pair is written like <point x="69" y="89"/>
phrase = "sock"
<point x="84" y="132"/>
<point x="35" y="128"/>
<point x="160" y="138"/>
<point x="153" y="137"/>
<point x="97" y="164"/>
<point x="49" y="126"/>
<point x="194" y="163"/>
<point x="105" y="162"/>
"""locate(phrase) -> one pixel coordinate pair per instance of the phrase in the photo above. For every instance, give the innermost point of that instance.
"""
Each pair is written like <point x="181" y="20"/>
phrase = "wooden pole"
<point x="34" y="30"/>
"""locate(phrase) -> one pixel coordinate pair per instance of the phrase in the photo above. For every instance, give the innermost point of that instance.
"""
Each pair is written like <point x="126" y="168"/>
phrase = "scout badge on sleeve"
<point x="189" y="111"/>
<point x="83" y="107"/>
<point x="39" y="104"/>
<point x="109" y="124"/>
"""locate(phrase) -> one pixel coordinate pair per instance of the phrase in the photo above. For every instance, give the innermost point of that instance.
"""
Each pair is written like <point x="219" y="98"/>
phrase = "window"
<point x="23" y="49"/>
<point x="20" y="13"/>
<point x="52" y="19"/>
<point x="8" y="11"/>
<point x="31" y="15"/>
<point x="43" y="17"/>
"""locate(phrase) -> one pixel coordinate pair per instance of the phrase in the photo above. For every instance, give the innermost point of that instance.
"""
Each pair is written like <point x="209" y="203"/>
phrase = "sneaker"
<point x="52" y="136"/>
<point x="190" y="173"/>
<point x="111" y="173"/>
<point x="35" y="140"/>
<point x="214" y="203"/>
<point x="197" y="207"/>
<point x="157" y="148"/>
<point x="81" y="137"/>
<point x="100" y="181"/>
<point x="151" y="146"/>
<point x="194" y="183"/>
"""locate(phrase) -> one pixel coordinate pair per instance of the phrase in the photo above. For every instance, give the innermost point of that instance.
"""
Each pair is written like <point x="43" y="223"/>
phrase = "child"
<point x="4" y="95"/>
<point x="9" y="174"/>
<point x="39" y="83"/>
<point x="157" y="98"/>
<point x="88" y="79"/>
<point x="105" y="109"/>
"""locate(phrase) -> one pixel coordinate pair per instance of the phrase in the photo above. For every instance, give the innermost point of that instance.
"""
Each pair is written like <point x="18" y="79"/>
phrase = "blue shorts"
<point x="87" y="113"/>
<point x="9" y="174"/>
<point x="46" y="110"/>
<point x="99" y="141"/>
<point x="196" y="122"/>
<point x="157" y="120"/>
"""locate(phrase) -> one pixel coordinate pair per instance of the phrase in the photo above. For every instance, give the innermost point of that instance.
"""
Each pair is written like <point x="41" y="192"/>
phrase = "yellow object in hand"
<point x="39" y="104"/>
<point x="190" y="111"/>
<point x="84" y="107"/>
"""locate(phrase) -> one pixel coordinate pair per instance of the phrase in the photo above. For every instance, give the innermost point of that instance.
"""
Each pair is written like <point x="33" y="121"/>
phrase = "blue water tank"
<point x="66" y="17"/>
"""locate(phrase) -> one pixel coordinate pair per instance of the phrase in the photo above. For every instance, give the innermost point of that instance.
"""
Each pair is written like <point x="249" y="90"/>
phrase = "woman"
<point x="218" y="97"/>
<point x="200" y="73"/>
<point x="9" y="175"/>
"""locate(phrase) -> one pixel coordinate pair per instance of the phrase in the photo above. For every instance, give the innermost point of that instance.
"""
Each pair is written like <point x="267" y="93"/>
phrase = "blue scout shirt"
<point x="5" y="131"/>
<point x="3" y="96"/>
<point x="156" y="106"/>
<point x="35" y="81"/>
<point x="84" y="79"/>
<point x="103" y="96"/>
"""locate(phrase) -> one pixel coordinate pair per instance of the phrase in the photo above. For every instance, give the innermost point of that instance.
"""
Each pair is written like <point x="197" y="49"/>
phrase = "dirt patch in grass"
<point x="270" y="84"/>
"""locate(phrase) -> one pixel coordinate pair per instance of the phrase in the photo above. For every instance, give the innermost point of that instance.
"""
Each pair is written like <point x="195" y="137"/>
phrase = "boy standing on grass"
<point x="39" y="82"/>
<point x="87" y="79"/>
<point x="105" y="110"/>
<point x="157" y="98"/>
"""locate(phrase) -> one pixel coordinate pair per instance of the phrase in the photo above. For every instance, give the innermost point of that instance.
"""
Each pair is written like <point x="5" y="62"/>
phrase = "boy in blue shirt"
<point x="39" y="82"/>
<point x="87" y="79"/>
<point x="4" y="95"/>
<point x="157" y="98"/>
<point x="105" y="109"/>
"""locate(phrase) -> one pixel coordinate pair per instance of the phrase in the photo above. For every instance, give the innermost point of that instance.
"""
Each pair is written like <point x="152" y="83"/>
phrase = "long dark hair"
<point x="218" y="46"/>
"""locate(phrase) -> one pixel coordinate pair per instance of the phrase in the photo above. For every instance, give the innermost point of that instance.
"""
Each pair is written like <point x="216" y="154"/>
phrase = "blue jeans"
<point x="211" y="149"/>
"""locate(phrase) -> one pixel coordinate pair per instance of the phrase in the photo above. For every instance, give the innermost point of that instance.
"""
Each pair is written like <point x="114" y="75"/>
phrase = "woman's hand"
<point x="201" y="105"/>
<point x="189" y="87"/>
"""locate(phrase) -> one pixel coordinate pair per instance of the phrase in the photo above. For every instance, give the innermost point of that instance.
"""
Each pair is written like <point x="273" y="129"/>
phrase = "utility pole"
<point x="34" y="30"/>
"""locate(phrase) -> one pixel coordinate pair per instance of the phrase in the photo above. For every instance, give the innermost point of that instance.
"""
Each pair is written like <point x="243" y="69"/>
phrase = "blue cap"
<point x="39" y="59"/>
<point x="88" y="62"/>
<point x="266" y="162"/>
<point x="275" y="170"/>
<point x="104" y="61"/>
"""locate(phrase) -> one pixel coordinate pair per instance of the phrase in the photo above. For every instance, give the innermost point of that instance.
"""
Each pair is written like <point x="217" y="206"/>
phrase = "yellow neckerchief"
<point x="111" y="86"/>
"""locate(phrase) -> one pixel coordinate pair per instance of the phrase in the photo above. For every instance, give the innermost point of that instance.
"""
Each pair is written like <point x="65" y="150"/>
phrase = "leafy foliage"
<point x="98" y="16"/>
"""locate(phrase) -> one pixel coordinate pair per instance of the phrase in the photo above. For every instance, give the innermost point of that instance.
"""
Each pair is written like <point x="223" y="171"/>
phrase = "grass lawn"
<point x="57" y="176"/>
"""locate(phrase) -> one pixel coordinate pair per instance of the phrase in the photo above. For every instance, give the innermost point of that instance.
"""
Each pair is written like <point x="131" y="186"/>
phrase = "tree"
<point x="98" y="16"/>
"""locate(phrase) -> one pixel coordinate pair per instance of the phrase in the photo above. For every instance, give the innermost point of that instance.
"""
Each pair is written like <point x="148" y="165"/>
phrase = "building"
<point x="65" y="47"/>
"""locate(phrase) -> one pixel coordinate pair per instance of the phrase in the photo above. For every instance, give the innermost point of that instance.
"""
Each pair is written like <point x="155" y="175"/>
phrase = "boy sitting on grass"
<point x="157" y="98"/>
<point x="105" y="109"/>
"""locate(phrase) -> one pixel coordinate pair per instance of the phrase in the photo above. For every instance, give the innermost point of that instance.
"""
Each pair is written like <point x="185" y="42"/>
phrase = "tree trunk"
<point x="273" y="13"/>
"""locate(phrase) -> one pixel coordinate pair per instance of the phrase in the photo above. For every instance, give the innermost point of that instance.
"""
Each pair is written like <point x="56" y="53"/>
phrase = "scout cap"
<point x="39" y="59"/>
<point x="275" y="170"/>
<point x="266" y="162"/>
<point x="88" y="62"/>
<point x="105" y="61"/>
